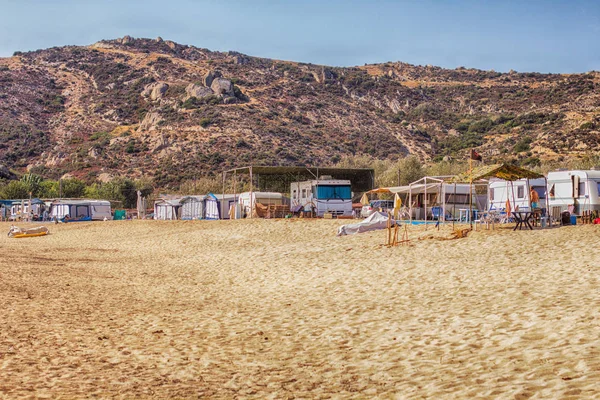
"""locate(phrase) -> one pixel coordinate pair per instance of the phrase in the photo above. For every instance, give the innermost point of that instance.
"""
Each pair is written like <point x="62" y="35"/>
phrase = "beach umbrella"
<point x="364" y="200"/>
<point x="508" y="209"/>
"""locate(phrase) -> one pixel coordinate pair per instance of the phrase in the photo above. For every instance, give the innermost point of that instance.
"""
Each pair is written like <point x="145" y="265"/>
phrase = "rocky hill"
<point x="155" y="108"/>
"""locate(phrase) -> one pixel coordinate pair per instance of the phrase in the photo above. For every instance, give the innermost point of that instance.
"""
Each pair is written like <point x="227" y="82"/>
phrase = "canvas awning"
<point x="506" y="172"/>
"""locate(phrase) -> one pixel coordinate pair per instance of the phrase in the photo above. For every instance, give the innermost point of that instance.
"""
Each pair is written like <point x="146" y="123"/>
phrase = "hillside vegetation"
<point x="156" y="110"/>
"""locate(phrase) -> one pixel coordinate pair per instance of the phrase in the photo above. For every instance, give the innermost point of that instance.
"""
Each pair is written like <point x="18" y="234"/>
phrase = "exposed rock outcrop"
<point x="193" y="90"/>
<point x="126" y="40"/>
<point x="210" y="76"/>
<point x="150" y="122"/>
<point x="5" y="173"/>
<point x="155" y="90"/>
<point x="222" y="87"/>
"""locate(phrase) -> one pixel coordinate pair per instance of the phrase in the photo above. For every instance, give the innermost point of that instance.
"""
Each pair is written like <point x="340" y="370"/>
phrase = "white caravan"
<point x="577" y="188"/>
<point x="96" y="210"/>
<point x="517" y="192"/>
<point x="324" y="195"/>
<point x="265" y="198"/>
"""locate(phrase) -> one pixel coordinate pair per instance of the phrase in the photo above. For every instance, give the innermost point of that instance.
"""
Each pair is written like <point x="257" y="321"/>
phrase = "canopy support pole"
<point x="251" y="196"/>
<point x="425" y="203"/>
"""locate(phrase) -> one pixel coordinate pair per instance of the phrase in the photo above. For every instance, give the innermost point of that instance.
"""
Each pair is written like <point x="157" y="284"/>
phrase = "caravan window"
<point x="303" y="193"/>
<point x="598" y="183"/>
<point x="81" y="211"/>
<point x="520" y="192"/>
<point x="491" y="193"/>
<point x="334" y="192"/>
<point x="294" y="194"/>
<point x="581" y="189"/>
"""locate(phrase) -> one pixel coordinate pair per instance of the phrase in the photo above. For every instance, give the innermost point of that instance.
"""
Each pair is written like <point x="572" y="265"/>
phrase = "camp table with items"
<point x="522" y="218"/>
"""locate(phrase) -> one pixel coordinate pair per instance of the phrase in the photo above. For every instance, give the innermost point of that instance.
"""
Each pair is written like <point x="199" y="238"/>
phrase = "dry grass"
<point x="285" y="309"/>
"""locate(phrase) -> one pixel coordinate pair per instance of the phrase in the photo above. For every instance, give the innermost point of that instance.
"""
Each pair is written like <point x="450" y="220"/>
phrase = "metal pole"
<point x="251" y="200"/>
<point x="234" y="193"/>
<point x="425" y="203"/>
<point x="454" y="207"/>
<point x="470" y="190"/>
<point x="410" y="201"/>
<point x="224" y="173"/>
<point x="443" y="194"/>
<point x="547" y="203"/>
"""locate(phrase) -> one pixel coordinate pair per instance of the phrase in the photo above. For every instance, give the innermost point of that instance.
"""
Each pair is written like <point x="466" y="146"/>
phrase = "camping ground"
<point x="284" y="308"/>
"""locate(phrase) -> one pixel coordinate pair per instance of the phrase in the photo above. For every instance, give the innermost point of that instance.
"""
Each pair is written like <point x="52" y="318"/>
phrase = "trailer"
<point x="518" y="193"/>
<point x="575" y="191"/>
<point x="81" y="209"/>
<point x="248" y="200"/>
<point x="323" y="195"/>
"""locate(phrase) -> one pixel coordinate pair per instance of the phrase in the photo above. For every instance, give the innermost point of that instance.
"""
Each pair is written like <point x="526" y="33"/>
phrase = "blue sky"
<point x="527" y="35"/>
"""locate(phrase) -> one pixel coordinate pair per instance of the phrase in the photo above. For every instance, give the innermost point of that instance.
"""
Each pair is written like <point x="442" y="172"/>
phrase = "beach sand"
<point x="285" y="309"/>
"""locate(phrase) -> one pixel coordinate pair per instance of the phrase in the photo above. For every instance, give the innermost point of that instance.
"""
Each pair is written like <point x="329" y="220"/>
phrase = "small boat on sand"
<point x="19" y="233"/>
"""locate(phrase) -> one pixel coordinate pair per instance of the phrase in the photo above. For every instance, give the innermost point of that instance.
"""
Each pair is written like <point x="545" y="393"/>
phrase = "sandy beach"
<point x="285" y="309"/>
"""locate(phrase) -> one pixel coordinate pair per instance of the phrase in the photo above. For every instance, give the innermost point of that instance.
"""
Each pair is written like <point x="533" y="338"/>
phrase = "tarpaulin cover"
<point x="375" y="221"/>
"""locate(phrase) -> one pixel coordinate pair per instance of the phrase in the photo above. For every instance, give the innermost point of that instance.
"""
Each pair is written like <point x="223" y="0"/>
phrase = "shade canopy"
<point x="506" y="172"/>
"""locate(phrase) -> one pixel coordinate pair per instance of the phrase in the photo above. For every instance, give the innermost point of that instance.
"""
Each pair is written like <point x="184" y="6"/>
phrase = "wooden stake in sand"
<point x="392" y="238"/>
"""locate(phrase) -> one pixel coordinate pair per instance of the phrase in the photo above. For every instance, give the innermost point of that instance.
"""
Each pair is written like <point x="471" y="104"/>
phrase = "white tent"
<point x="212" y="207"/>
<point x="166" y="209"/>
<point x="192" y="207"/>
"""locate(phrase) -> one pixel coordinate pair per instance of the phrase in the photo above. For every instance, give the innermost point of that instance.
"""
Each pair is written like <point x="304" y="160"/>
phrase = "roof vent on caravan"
<point x="325" y="177"/>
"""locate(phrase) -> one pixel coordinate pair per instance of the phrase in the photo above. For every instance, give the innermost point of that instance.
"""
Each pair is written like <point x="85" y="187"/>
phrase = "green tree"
<point x="33" y="183"/>
<point x="15" y="190"/>
<point x="72" y="188"/>
<point x="410" y="169"/>
<point x="49" y="189"/>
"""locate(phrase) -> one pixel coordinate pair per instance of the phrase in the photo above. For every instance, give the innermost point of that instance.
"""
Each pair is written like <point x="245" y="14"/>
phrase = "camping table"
<point x="522" y="217"/>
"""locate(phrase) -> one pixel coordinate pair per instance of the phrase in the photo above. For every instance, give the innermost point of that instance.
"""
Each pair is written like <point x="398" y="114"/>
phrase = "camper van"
<point x="517" y="192"/>
<point x="323" y="195"/>
<point x="579" y="189"/>
<point x="96" y="210"/>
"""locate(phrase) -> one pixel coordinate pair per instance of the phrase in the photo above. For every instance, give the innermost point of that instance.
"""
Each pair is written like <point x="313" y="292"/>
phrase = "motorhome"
<point x="81" y="209"/>
<point x="516" y="192"/>
<point x="575" y="190"/>
<point x="323" y="195"/>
